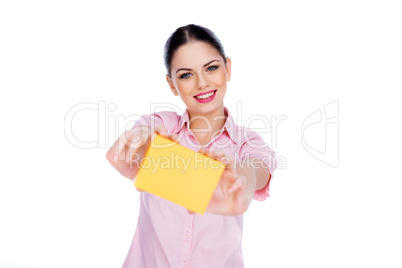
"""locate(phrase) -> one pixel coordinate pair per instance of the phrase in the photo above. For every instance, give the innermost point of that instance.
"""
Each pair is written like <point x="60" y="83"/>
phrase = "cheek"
<point x="222" y="78"/>
<point x="185" y="86"/>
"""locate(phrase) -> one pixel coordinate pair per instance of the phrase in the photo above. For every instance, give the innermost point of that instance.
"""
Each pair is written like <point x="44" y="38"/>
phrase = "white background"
<point x="64" y="206"/>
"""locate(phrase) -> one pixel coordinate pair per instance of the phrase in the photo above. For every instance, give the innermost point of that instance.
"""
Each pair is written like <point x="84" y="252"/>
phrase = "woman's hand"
<point x="235" y="189"/>
<point x="128" y="151"/>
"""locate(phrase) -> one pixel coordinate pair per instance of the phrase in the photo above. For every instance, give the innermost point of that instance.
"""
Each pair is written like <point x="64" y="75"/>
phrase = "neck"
<point x="208" y="124"/>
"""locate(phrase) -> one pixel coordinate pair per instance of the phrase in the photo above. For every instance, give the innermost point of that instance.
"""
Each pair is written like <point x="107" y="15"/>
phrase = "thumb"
<point x="160" y="129"/>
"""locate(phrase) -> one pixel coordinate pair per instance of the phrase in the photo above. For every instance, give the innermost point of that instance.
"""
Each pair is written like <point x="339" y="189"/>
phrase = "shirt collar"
<point x="229" y="126"/>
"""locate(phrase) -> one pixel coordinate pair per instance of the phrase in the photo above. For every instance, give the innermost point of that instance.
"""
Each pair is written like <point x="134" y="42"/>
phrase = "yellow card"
<point x="179" y="174"/>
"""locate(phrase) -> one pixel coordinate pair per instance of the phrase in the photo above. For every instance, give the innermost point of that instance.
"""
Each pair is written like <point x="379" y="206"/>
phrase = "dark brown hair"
<point x="186" y="34"/>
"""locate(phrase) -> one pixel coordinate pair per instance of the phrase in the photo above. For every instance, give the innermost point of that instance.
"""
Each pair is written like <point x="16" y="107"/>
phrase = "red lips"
<point x="204" y="93"/>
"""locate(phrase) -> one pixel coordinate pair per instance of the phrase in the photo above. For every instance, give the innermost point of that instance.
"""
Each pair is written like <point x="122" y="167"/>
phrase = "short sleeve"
<point x="149" y="120"/>
<point x="255" y="147"/>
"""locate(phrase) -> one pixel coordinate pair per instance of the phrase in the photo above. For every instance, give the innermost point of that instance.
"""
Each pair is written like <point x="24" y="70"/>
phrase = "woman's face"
<point x="197" y="69"/>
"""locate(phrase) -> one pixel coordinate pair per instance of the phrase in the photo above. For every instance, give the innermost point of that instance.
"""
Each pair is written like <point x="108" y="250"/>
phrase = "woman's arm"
<point x="256" y="169"/>
<point x="256" y="176"/>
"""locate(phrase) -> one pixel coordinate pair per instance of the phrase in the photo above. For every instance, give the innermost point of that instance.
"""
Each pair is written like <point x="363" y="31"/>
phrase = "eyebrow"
<point x="188" y="69"/>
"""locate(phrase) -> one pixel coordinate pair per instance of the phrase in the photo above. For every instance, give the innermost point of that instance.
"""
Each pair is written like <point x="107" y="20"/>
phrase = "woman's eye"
<point x="186" y="75"/>
<point x="212" y="68"/>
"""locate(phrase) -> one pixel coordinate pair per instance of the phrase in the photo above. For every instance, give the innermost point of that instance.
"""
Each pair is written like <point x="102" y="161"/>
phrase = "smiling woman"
<point x="167" y="234"/>
<point x="200" y="75"/>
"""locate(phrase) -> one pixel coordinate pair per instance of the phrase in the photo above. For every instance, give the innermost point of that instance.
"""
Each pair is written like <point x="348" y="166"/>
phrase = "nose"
<point x="202" y="82"/>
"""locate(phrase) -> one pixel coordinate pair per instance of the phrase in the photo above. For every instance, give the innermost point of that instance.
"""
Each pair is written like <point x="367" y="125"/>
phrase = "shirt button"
<point x="188" y="234"/>
<point x="184" y="264"/>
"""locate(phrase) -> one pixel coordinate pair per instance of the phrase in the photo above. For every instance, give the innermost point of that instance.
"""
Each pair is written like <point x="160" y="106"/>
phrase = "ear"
<point x="171" y="85"/>
<point x="228" y="69"/>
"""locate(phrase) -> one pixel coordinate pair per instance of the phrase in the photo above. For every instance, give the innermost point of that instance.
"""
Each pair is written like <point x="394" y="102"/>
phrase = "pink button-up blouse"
<point x="167" y="235"/>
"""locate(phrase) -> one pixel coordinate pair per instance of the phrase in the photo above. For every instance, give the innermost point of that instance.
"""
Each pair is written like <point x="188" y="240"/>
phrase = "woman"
<point x="167" y="234"/>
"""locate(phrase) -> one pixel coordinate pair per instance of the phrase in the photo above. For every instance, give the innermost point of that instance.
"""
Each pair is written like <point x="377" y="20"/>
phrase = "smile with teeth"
<point x="206" y="95"/>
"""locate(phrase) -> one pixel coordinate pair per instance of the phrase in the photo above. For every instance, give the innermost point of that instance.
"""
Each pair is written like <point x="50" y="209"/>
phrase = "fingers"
<point x="161" y="130"/>
<point x="238" y="184"/>
<point x="122" y="143"/>
<point x="131" y="143"/>
<point x="133" y="151"/>
<point x="131" y="140"/>
<point x="127" y="152"/>
<point x="175" y="138"/>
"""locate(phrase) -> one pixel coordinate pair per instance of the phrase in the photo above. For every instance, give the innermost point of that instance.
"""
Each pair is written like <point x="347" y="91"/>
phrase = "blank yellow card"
<point x="179" y="174"/>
